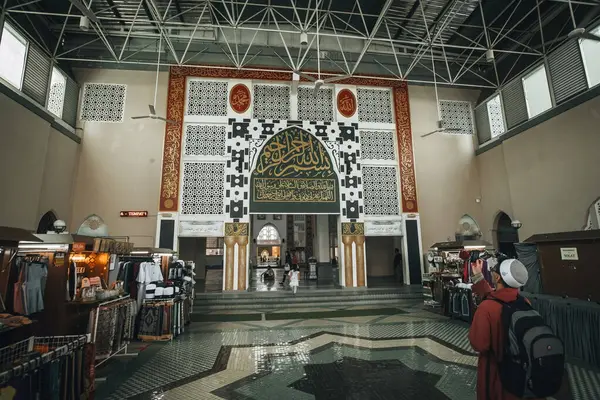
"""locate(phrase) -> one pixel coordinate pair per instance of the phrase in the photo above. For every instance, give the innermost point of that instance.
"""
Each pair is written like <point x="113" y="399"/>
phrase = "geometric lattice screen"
<point x="375" y="105"/>
<point x="315" y="105"/>
<point x="56" y="96"/>
<point x="103" y="102"/>
<point x="378" y="145"/>
<point x="207" y="98"/>
<point x="202" y="192"/>
<point x="494" y="109"/>
<point x="205" y="140"/>
<point x="380" y="189"/>
<point x="272" y="102"/>
<point x="457" y="115"/>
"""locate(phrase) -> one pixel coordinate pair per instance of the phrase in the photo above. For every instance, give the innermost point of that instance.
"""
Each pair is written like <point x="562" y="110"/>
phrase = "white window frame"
<point x="487" y="108"/>
<point x="588" y="63"/>
<point x="15" y="33"/>
<point x="541" y="67"/>
<point x="57" y="74"/>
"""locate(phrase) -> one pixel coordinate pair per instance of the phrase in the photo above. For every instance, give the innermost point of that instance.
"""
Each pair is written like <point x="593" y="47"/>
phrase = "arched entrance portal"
<point x="268" y="246"/>
<point x="294" y="174"/>
<point x="294" y="184"/>
<point x="46" y="223"/>
<point x="506" y="235"/>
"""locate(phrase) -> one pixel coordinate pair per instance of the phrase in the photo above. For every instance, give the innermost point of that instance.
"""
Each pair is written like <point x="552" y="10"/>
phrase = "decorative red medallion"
<point x="239" y="98"/>
<point x="346" y="103"/>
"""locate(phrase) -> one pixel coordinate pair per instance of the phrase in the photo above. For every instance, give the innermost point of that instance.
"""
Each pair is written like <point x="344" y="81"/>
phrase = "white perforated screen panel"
<point x="203" y="187"/>
<point x="207" y="98"/>
<point x="103" y="102"/>
<point x="457" y="116"/>
<point x="272" y="102"/>
<point x="315" y="105"/>
<point x="380" y="190"/>
<point x="378" y="145"/>
<point x="375" y="105"/>
<point x="205" y="140"/>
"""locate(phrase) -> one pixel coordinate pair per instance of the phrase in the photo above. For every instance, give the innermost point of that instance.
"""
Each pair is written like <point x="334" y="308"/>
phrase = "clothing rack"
<point x="57" y="346"/>
<point x="120" y="352"/>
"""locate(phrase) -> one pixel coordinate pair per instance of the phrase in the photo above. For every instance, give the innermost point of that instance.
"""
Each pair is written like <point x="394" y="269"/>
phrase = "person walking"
<point x="531" y="364"/>
<point x="287" y="267"/>
<point x="294" y="278"/>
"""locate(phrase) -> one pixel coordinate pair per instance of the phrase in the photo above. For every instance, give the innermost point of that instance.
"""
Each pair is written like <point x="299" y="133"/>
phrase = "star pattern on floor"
<point x="286" y="370"/>
<point x="351" y="378"/>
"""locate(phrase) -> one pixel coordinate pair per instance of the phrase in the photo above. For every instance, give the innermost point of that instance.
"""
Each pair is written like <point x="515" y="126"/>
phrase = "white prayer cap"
<point x="513" y="273"/>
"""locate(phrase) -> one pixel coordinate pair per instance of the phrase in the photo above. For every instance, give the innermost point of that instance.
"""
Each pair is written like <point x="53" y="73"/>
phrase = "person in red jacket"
<point x="487" y="333"/>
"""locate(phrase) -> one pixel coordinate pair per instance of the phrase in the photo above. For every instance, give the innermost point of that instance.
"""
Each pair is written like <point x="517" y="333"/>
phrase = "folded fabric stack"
<point x="8" y="321"/>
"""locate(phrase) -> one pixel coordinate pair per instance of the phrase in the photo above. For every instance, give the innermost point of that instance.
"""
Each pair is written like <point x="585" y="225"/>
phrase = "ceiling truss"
<point x="420" y="41"/>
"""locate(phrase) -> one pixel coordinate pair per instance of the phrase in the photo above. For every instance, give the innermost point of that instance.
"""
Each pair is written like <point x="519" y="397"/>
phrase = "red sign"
<point x="134" y="214"/>
<point x="346" y="103"/>
<point x="78" y="247"/>
<point x="239" y="98"/>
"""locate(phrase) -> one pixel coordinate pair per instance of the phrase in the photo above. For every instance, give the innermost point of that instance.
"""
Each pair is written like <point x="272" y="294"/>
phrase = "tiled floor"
<point x="413" y="354"/>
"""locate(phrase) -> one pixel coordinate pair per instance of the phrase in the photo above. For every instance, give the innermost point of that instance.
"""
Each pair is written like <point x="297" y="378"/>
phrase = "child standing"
<point x="294" y="278"/>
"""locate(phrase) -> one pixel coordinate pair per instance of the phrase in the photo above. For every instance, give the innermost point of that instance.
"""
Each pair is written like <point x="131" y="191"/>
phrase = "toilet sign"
<point x="569" y="254"/>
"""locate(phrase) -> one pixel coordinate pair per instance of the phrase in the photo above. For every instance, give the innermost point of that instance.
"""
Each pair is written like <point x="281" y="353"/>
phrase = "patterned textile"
<point x="89" y="371"/>
<point x="115" y="326"/>
<point x="150" y="321"/>
<point x="105" y="331"/>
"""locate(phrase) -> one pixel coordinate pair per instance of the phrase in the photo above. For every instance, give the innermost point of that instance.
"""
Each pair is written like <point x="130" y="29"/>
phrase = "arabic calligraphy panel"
<point x="346" y="103"/>
<point x="240" y="98"/>
<point x="294" y="173"/>
<point x="272" y="190"/>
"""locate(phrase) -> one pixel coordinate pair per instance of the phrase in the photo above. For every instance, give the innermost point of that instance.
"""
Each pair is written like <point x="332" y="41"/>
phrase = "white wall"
<point x="546" y="177"/>
<point x="120" y="166"/>
<point x="37" y="168"/>
<point x="446" y="169"/>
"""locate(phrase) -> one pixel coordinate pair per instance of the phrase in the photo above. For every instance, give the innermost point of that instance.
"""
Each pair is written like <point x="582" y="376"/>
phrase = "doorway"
<point x="207" y="253"/>
<point x="506" y="235"/>
<point x="380" y="254"/>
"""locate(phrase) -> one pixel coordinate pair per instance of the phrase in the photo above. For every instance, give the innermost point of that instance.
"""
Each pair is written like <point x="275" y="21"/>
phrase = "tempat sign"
<point x="239" y="98"/>
<point x="346" y="103"/>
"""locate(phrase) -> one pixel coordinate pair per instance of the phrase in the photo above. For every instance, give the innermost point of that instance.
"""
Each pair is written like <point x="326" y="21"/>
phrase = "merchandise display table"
<point x="576" y="322"/>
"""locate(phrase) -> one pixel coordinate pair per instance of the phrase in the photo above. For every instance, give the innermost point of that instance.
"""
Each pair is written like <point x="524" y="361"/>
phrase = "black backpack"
<point x="533" y="362"/>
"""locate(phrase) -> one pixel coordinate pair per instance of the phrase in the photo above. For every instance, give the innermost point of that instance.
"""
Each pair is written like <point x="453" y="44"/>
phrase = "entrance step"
<point x="304" y="305"/>
<point x="295" y="313"/>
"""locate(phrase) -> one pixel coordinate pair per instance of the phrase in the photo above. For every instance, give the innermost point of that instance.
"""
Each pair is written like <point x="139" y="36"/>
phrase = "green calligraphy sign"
<point x="294" y="174"/>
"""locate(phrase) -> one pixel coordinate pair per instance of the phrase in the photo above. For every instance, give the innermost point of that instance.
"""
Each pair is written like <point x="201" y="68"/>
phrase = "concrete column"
<point x="322" y="239"/>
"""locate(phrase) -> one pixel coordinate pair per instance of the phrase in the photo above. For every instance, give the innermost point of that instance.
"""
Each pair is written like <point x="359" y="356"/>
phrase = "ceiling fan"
<point x="318" y="81"/>
<point x="151" y="107"/>
<point x="441" y="124"/>
<point x="580" y="33"/>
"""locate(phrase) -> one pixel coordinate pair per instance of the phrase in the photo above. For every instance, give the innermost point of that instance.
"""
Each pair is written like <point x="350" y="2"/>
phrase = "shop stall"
<point x="165" y="290"/>
<point x="447" y="285"/>
<point x="13" y="327"/>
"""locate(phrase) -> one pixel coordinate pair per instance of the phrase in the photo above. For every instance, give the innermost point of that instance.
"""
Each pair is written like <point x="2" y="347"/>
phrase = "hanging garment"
<point x="72" y="282"/>
<point x="19" y="299"/>
<point x="36" y="276"/>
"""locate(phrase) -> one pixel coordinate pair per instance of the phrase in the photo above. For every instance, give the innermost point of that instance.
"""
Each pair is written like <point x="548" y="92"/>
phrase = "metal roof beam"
<point x="384" y="10"/>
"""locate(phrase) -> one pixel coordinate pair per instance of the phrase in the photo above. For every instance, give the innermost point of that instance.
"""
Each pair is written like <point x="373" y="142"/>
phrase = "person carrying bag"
<point x="519" y="355"/>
